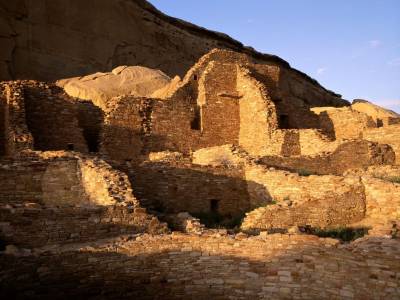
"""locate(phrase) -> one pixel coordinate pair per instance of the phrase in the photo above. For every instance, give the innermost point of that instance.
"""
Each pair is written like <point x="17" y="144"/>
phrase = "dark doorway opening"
<point x="214" y="205"/>
<point x="379" y="123"/>
<point x="196" y="122"/>
<point x="90" y="119"/>
<point x="284" y="122"/>
<point x="70" y="147"/>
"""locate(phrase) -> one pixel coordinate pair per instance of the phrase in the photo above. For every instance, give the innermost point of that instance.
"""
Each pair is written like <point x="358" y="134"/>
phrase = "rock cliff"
<point x="53" y="39"/>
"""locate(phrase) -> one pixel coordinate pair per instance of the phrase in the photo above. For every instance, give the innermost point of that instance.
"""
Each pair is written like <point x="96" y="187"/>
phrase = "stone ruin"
<point x="218" y="185"/>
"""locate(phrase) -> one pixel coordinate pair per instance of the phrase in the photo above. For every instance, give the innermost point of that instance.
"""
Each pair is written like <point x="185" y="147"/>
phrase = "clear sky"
<point x="350" y="46"/>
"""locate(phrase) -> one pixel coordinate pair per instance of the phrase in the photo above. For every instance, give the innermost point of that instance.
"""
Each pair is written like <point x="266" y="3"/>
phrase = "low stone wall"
<point x="349" y="155"/>
<point x="182" y="266"/>
<point x="343" y="122"/>
<point x="182" y="186"/>
<point x="287" y="199"/>
<point x="60" y="178"/>
<point x="382" y="199"/>
<point x="386" y="135"/>
<point x="30" y="225"/>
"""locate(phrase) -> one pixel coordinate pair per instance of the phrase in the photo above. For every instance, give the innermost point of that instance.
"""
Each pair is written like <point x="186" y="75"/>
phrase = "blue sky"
<point x="350" y="46"/>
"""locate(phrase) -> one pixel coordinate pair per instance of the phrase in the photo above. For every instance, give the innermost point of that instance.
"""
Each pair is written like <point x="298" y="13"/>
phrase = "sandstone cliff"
<point x="53" y="39"/>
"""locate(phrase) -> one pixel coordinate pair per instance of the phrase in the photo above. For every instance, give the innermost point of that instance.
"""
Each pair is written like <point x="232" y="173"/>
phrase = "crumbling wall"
<point x="348" y="155"/>
<point x="51" y="117"/>
<point x="16" y="134"/>
<point x="344" y="122"/>
<point x="181" y="187"/>
<point x="386" y="135"/>
<point x="31" y="226"/>
<point x="58" y="178"/>
<point x="295" y="142"/>
<point x="287" y="199"/>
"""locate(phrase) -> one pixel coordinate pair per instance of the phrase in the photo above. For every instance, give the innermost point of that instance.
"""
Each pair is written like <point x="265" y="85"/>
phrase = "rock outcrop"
<point x="99" y="87"/>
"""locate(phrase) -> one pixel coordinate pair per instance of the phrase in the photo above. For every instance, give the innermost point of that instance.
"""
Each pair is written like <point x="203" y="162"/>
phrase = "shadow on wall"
<point x="172" y="189"/>
<point x="175" y="274"/>
<point x="29" y="228"/>
<point x="129" y="144"/>
<point x="90" y="120"/>
<point x="52" y="120"/>
<point x="326" y="125"/>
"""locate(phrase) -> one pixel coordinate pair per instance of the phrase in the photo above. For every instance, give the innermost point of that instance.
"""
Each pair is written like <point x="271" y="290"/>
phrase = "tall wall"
<point x="219" y="105"/>
<point x="257" y="114"/>
<point x="17" y="136"/>
<point x="51" y="117"/>
<point x="4" y="125"/>
<point x="122" y="132"/>
<point x="387" y="135"/>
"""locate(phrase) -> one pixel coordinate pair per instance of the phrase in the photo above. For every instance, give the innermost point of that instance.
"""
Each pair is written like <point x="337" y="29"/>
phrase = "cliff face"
<point x="53" y="39"/>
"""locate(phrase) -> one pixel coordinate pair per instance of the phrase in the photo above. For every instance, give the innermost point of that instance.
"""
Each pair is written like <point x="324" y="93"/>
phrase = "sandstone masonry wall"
<point x="52" y="118"/>
<point x="177" y="187"/>
<point x="182" y="266"/>
<point x="30" y="226"/>
<point x="387" y="135"/>
<point x="257" y="114"/>
<point x="58" y="178"/>
<point x="287" y="199"/>
<point x="344" y="122"/>
<point x="348" y="155"/>
<point x="16" y="136"/>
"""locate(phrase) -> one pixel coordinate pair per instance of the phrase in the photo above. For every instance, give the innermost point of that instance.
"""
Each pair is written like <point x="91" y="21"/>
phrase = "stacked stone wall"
<point x="30" y="226"/>
<point x="348" y="155"/>
<point x="52" y="118"/>
<point x="382" y="199"/>
<point x="4" y="125"/>
<point x="58" y="178"/>
<point x="343" y="123"/>
<point x="16" y="134"/>
<point x="257" y="114"/>
<point x="387" y="135"/>
<point x="184" y="187"/>
<point x="202" y="267"/>
<point x="287" y="199"/>
<point x="122" y="134"/>
<point x="219" y="107"/>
